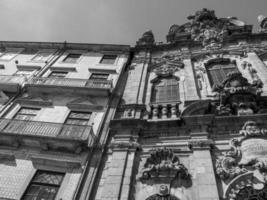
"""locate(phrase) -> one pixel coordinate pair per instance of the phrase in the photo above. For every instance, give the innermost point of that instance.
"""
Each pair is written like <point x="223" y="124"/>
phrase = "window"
<point x="8" y="55"/>
<point x="58" y="74"/>
<point x="217" y="72"/>
<point x="108" y="59"/>
<point x="165" y="90"/>
<point x="41" y="56"/>
<point x="78" y="118"/>
<point x="98" y="76"/>
<point x="44" y="186"/>
<point x="24" y="72"/>
<point x="72" y="58"/>
<point x="26" y="113"/>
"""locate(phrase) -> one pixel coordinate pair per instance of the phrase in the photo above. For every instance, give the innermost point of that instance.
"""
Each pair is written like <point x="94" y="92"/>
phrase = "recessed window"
<point x="27" y="113"/>
<point x="108" y="59"/>
<point x="217" y="72"/>
<point x="72" y="58"/>
<point x="44" y="186"/>
<point x="78" y="118"/>
<point x="24" y="72"/>
<point x="165" y="90"/>
<point x="99" y="76"/>
<point x="58" y="74"/>
<point x="8" y="55"/>
<point x="41" y="56"/>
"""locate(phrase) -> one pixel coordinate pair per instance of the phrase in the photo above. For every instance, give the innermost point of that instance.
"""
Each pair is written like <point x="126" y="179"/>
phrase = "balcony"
<point x="45" y="134"/>
<point x="91" y="87"/>
<point x="11" y="83"/>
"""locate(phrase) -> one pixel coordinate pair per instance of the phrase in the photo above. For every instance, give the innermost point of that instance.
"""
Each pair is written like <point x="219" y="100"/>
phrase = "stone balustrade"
<point x="164" y="111"/>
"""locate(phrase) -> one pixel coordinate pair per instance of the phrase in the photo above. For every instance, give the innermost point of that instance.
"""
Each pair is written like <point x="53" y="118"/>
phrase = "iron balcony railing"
<point x="71" y="82"/>
<point x="47" y="129"/>
<point x="7" y="79"/>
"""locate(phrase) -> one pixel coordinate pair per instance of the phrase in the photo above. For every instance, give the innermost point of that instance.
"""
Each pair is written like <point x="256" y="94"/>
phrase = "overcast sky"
<point x="109" y="21"/>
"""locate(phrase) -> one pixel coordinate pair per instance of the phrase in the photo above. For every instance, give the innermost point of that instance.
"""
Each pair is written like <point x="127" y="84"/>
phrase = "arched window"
<point x="218" y="69"/>
<point x="165" y="90"/>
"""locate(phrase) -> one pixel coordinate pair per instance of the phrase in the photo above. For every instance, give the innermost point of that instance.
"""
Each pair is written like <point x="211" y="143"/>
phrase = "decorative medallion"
<point x="263" y="23"/>
<point x="146" y="39"/>
<point x="163" y="194"/>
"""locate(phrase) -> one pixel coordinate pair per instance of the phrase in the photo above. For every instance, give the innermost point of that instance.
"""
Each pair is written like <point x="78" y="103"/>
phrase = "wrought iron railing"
<point x="12" y="79"/>
<point x="71" y="82"/>
<point x="47" y="129"/>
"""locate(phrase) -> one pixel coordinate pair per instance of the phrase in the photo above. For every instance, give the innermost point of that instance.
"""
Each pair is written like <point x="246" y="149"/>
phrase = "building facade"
<point x="181" y="120"/>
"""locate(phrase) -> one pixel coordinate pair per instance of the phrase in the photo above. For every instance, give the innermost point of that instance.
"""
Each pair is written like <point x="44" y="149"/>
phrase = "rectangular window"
<point x="24" y="72"/>
<point x="26" y="113"/>
<point x="41" y="56"/>
<point x="58" y="74"/>
<point x="78" y="118"/>
<point x="217" y="73"/>
<point x="44" y="186"/>
<point x="8" y="55"/>
<point x="108" y="59"/>
<point x="99" y="76"/>
<point x="72" y="58"/>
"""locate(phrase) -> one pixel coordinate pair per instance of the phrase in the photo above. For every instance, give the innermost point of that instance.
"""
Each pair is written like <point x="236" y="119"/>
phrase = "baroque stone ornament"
<point x="163" y="163"/>
<point x="206" y="28"/>
<point x="237" y="95"/>
<point x="244" y="168"/>
<point x="263" y="23"/>
<point x="167" y="64"/>
<point x="163" y="194"/>
<point x="146" y="39"/>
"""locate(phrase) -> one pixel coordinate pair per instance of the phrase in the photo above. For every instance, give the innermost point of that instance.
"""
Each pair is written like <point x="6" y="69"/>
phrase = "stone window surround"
<point x="51" y="51"/>
<point x="15" y="51"/>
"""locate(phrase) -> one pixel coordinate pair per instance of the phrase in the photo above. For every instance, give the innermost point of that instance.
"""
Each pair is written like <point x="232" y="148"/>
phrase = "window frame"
<point x="78" y="119"/>
<point x="65" y="59"/>
<point x="95" y="73"/>
<point x="173" y="97"/>
<point x="57" y="71"/>
<point x="15" y="52"/>
<point x="219" y="68"/>
<point x="107" y="55"/>
<point x="50" y="53"/>
<point x="33" y="182"/>
<point x="18" y="113"/>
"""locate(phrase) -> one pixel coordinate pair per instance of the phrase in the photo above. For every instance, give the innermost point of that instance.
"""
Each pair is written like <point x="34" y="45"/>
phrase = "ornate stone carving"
<point x="206" y="28"/>
<point x="263" y="23"/>
<point x="162" y="163"/>
<point x="131" y="143"/>
<point x="237" y="96"/>
<point x="167" y="64"/>
<point x="248" y="153"/>
<point x="163" y="194"/>
<point x="198" y="144"/>
<point x="146" y="39"/>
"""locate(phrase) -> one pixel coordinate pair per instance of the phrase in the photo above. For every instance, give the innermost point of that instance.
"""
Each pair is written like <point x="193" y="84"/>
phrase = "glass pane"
<point x="79" y="115"/>
<point x="48" y="178"/>
<point x="24" y="117"/>
<point x="40" y="192"/>
<point x="95" y="76"/>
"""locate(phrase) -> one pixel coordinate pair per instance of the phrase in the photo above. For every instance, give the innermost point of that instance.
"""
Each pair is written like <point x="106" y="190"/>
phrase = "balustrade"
<point x="47" y="129"/>
<point x="164" y="111"/>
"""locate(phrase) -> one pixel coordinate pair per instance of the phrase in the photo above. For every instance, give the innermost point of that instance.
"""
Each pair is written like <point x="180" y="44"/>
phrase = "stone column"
<point x="260" y="68"/>
<point x="190" y="83"/>
<point x="201" y="168"/>
<point x="118" y="182"/>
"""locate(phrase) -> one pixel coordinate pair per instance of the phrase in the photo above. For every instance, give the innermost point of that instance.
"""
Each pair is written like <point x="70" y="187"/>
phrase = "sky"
<point x="110" y="21"/>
